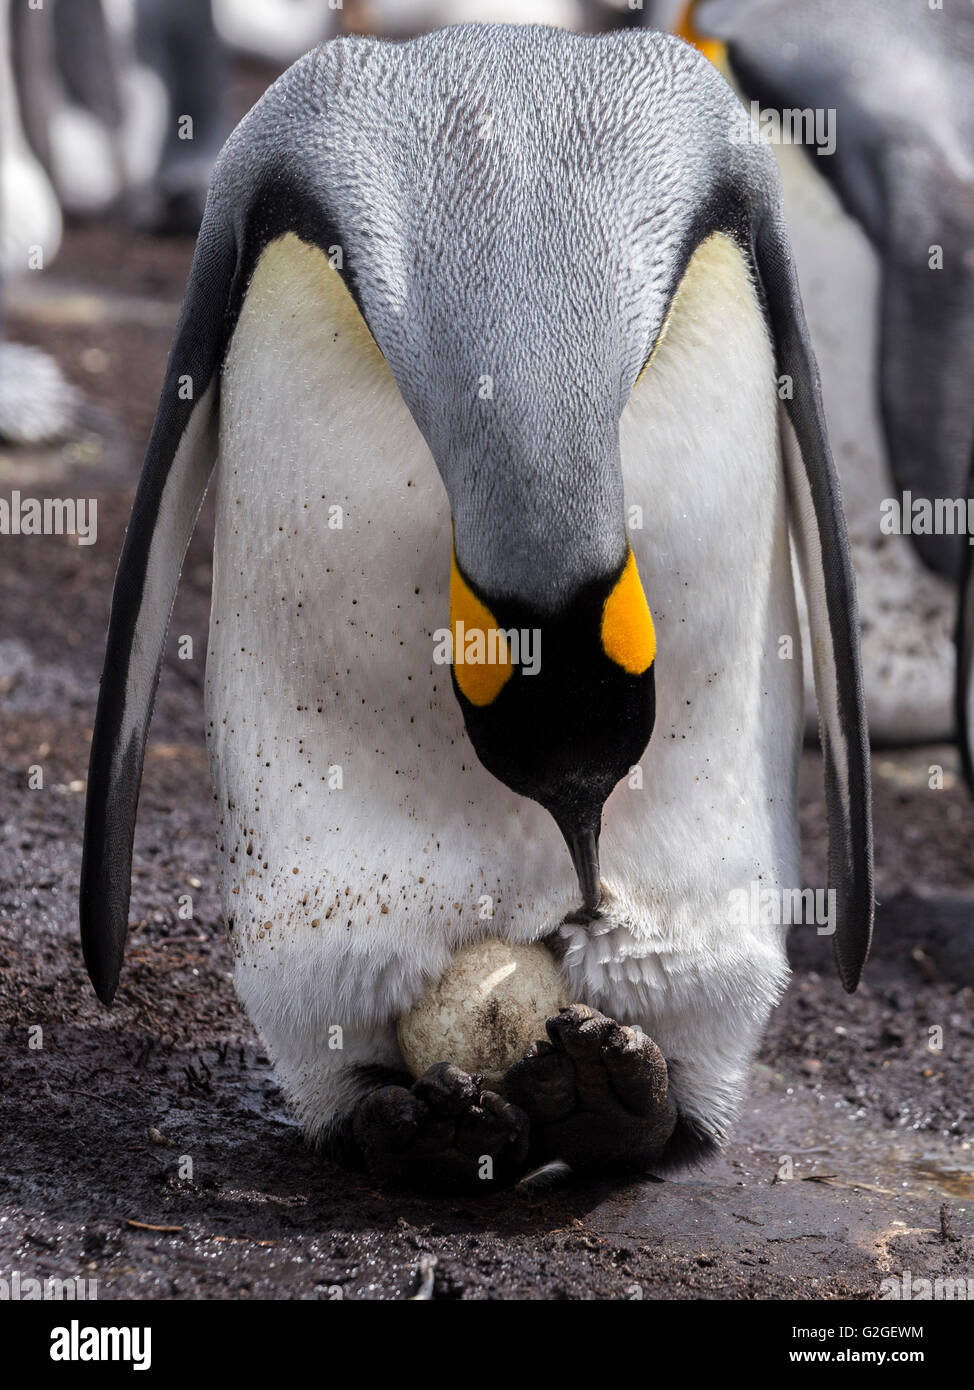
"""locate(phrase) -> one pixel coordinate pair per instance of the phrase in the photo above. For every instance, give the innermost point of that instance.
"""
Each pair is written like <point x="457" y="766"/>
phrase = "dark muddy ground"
<point x="101" y="1108"/>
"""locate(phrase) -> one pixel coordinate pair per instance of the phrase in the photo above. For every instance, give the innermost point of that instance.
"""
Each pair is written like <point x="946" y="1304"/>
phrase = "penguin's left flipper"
<point x="438" y="1133"/>
<point x="597" y="1094"/>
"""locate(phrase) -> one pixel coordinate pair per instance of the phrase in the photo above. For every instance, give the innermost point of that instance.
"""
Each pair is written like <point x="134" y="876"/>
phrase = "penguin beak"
<point x="583" y="846"/>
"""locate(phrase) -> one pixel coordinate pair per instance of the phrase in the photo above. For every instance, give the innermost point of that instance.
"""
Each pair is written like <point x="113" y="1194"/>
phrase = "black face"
<point x="566" y="735"/>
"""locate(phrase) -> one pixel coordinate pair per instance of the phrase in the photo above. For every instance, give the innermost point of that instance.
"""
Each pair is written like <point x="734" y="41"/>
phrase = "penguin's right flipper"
<point x="819" y="531"/>
<point x="178" y="463"/>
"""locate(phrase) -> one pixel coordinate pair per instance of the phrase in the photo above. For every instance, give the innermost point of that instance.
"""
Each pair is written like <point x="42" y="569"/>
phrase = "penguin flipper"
<point x="819" y="531"/>
<point x="178" y="463"/>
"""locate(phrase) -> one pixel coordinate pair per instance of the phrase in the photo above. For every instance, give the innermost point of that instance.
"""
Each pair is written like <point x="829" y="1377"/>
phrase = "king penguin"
<point x="486" y="328"/>
<point x="38" y="406"/>
<point x="882" y="226"/>
<point x="397" y="19"/>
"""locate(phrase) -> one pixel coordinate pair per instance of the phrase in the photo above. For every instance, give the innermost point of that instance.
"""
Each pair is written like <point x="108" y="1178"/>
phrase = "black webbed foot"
<point x="596" y="1094"/>
<point x="444" y="1132"/>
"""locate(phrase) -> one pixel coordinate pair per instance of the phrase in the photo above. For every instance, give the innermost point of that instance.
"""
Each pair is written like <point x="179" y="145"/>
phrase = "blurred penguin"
<point x="401" y="19"/>
<point x="37" y="405"/>
<point x="178" y="41"/>
<point x="122" y="104"/>
<point x="277" y="31"/>
<point x="69" y="73"/>
<point x="894" y="335"/>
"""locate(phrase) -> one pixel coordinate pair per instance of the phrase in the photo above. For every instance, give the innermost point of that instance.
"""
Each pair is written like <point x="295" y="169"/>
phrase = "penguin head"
<point x="558" y="703"/>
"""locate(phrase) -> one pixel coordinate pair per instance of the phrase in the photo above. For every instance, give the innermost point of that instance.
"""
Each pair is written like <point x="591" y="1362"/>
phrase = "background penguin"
<point x="894" y="337"/>
<point x="178" y="41"/>
<point x="37" y="404"/>
<point x="407" y="18"/>
<point x="275" y="30"/>
<point x="86" y="116"/>
<point x="964" y="642"/>
<point x="526" y="291"/>
<point x="105" y="89"/>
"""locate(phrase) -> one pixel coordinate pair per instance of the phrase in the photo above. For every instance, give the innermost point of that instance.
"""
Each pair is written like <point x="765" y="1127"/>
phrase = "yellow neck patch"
<point x="628" y="635"/>
<point x="481" y="660"/>
<point x="713" y="49"/>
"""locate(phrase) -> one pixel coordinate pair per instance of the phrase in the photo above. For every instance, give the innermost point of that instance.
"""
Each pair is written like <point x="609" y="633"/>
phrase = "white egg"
<point x="491" y="1002"/>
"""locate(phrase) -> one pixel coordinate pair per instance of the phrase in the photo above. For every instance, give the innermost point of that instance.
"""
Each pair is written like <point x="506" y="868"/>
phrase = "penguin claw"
<point x="444" y="1132"/>
<point x="596" y="1095"/>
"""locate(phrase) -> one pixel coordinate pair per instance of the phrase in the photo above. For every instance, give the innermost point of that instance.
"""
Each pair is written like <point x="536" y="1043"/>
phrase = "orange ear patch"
<point x="481" y="659"/>
<point x="628" y="635"/>
<point x="713" y="49"/>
